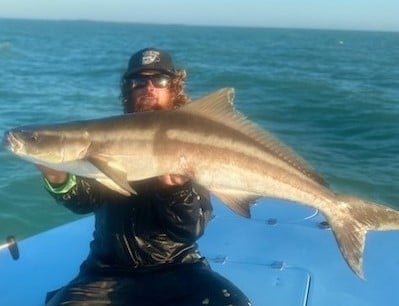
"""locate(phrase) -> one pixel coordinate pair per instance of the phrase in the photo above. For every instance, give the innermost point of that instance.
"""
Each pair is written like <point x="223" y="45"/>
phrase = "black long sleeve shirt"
<point x="157" y="226"/>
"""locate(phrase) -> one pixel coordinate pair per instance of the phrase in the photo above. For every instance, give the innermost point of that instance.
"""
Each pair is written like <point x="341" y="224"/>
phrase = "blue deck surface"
<point x="281" y="256"/>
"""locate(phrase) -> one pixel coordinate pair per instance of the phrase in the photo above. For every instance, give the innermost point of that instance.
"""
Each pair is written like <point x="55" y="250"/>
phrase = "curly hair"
<point x="176" y="87"/>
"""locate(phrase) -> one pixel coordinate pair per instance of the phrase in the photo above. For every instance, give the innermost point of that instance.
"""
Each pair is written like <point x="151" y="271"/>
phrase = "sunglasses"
<point x="157" y="80"/>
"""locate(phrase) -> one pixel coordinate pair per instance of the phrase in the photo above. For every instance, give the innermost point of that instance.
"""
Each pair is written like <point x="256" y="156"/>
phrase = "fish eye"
<point x="34" y="137"/>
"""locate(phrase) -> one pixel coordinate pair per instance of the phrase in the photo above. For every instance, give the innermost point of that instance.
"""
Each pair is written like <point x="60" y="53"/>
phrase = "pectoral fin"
<point x="239" y="201"/>
<point x="116" y="177"/>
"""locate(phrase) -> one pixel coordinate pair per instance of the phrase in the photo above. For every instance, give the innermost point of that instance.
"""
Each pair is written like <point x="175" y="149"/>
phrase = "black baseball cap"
<point x="150" y="59"/>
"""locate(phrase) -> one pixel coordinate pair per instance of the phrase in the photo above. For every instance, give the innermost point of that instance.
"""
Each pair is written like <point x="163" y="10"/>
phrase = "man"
<point x="144" y="251"/>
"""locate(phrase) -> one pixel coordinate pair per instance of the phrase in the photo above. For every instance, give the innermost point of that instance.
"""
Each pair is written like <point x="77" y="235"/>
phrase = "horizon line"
<point x="196" y="25"/>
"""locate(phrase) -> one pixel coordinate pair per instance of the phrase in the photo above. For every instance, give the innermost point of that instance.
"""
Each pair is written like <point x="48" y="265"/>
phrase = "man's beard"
<point x="147" y="103"/>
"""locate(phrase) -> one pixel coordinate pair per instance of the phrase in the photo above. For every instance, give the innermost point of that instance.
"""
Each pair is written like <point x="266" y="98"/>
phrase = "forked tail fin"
<point x="353" y="218"/>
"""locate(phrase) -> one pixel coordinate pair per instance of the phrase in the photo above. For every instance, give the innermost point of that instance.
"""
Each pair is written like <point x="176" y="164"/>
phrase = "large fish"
<point x="213" y="144"/>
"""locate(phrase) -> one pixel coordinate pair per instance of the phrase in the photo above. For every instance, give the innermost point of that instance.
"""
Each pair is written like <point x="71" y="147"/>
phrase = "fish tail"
<point x="352" y="221"/>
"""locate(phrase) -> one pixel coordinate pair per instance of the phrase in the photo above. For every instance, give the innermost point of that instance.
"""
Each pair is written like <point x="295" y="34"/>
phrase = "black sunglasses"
<point x="158" y="80"/>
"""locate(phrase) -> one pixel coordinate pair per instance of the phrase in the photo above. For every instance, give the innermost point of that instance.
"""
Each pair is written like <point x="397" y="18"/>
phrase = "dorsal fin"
<point x="218" y="106"/>
<point x="214" y="105"/>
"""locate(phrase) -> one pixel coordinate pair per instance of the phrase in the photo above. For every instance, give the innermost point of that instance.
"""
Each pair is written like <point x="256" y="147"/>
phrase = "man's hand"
<point x="53" y="176"/>
<point x="170" y="180"/>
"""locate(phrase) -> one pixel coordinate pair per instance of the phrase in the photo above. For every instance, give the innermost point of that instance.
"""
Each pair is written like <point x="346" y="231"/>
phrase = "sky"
<point x="378" y="15"/>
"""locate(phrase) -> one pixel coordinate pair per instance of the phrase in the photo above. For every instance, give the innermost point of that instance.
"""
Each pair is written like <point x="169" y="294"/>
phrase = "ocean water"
<point x="331" y="95"/>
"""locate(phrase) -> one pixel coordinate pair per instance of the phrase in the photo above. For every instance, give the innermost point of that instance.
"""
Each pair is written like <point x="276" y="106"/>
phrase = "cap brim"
<point x="137" y="71"/>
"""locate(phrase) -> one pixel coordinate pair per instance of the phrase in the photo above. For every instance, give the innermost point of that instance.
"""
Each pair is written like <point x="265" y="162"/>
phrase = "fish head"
<point x="42" y="146"/>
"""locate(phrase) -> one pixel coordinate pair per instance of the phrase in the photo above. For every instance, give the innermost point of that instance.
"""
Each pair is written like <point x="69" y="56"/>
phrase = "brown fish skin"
<point x="213" y="144"/>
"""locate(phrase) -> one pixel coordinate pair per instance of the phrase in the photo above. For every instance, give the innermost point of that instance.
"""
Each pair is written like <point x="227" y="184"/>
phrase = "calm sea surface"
<point x="331" y="95"/>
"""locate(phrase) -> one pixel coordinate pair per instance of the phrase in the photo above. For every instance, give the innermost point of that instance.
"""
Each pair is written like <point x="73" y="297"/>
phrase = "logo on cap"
<point x="150" y="57"/>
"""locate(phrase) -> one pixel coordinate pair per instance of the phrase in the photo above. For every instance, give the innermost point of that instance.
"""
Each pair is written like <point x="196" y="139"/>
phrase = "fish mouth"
<point x="12" y="142"/>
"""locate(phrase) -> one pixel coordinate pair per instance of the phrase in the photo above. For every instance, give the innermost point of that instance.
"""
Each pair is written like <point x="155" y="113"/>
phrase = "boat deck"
<point x="284" y="255"/>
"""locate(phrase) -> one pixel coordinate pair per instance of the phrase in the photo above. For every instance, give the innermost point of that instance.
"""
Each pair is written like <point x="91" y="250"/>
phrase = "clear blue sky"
<point x="324" y="14"/>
